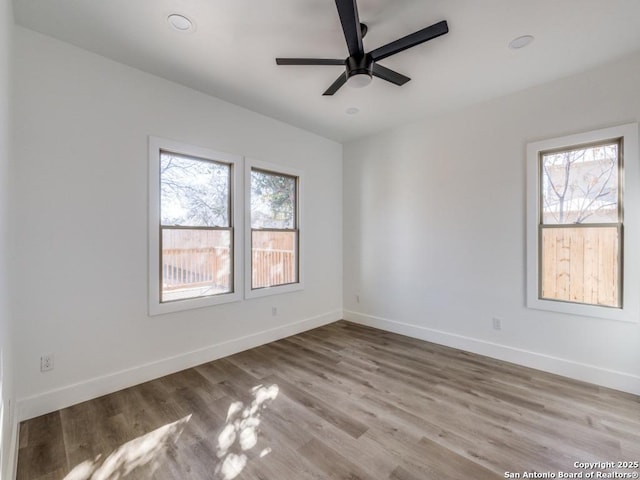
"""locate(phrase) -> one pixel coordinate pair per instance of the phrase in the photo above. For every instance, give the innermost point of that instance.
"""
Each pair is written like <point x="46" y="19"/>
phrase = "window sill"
<point x="157" y="308"/>
<point x="277" y="290"/>
<point x="605" y="313"/>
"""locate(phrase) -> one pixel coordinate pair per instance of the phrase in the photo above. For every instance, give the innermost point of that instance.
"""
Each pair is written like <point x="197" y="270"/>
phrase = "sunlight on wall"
<point x="141" y="451"/>
<point x="240" y="433"/>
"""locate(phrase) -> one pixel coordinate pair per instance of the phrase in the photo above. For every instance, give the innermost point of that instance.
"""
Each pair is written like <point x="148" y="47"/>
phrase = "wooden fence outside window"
<point x="581" y="264"/>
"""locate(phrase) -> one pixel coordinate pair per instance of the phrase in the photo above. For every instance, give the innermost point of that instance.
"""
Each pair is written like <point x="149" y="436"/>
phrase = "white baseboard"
<point x="568" y="368"/>
<point x="33" y="406"/>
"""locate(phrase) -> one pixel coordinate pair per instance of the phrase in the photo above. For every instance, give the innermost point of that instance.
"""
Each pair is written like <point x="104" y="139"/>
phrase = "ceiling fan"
<point x="361" y="66"/>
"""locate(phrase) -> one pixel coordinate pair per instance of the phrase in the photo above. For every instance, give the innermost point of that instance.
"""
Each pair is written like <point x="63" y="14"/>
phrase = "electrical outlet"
<point x="497" y="323"/>
<point x="46" y="362"/>
<point x="274" y="311"/>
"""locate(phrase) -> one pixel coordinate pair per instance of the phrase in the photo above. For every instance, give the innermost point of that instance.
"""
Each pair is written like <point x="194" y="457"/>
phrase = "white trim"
<point x="278" y="289"/>
<point x="155" y="146"/>
<point x="68" y="395"/>
<point x="631" y="256"/>
<point x="568" y="368"/>
<point x="11" y="465"/>
<point x="267" y="291"/>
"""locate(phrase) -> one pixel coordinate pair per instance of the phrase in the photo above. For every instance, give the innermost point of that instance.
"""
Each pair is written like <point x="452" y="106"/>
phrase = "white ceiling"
<point x="231" y="54"/>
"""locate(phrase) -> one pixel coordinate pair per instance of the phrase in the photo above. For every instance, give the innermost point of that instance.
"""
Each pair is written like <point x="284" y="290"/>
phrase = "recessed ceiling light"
<point x="352" y="110"/>
<point x="520" y="42"/>
<point x="180" y="23"/>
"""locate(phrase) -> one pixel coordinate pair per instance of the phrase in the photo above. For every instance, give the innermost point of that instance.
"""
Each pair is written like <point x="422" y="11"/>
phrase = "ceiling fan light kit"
<point x="361" y="67"/>
<point x="359" y="80"/>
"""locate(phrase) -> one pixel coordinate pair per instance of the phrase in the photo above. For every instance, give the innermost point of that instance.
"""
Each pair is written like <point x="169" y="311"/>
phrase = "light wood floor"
<point x="338" y="402"/>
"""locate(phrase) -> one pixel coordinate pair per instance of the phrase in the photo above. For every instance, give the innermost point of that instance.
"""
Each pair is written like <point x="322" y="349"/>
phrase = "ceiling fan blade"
<point x="409" y="41"/>
<point x="309" y="61"/>
<point x="389" y="75"/>
<point x="340" y="81"/>
<point x="348" y="13"/>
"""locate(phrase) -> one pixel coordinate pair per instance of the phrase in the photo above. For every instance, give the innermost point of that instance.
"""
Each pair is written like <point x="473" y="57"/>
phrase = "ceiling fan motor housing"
<point x="359" y="66"/>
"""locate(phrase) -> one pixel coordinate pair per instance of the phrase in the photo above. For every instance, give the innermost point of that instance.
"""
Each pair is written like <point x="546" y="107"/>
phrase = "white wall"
<point x="6" y="359"/>
<point x="81" y="127"/>
<point x="434" y="226"/>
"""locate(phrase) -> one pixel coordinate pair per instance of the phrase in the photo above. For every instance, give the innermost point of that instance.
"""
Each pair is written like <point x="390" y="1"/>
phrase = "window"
<point x="577" y="226"/>
<point x="273" y="230"/>
<point x="580" y="224"/>
<point x="192" y="254"/>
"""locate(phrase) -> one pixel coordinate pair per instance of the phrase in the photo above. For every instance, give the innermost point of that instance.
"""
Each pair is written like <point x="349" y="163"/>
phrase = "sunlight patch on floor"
<point x="240" y="434"/>
<point x="145" y="450"/>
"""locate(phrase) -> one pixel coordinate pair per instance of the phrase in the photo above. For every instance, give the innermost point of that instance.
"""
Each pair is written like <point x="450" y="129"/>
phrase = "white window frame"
<point x="630" y="188"/>
<point x="156" y="145"/>
<point x="249" y="292"/>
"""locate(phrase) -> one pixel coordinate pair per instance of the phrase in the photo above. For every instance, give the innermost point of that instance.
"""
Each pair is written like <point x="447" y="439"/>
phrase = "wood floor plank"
<point x="443" y="463"/>
<point x="254" y="362"/>
<point x="331" y="462"/>
<point x="320" y="408"/>
<point x="23" y="435"/>
<point x="44" y="451"/>
<point x="371" y="457"/>
<point x="78" y="425"/>
<point x="342" y="401"/>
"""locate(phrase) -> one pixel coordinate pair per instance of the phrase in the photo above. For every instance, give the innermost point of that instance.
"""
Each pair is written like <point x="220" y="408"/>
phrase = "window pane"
<point x="580" y="185"/>
<point x="194" y="192"/>
<point x="581" y="265"/>
<point x="273" y="259"/>
<point x="195" y="263"/>
<point x="273" y="200"/>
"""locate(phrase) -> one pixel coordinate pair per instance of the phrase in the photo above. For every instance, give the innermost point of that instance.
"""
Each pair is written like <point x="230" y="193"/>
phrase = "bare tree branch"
<point x="594" y="187"/>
